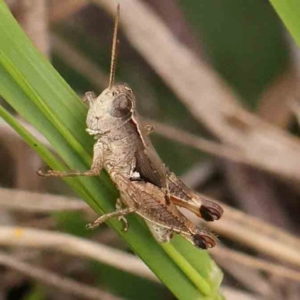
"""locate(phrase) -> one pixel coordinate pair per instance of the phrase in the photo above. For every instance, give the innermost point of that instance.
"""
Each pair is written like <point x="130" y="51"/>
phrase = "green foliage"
<point x="36" y="293"/>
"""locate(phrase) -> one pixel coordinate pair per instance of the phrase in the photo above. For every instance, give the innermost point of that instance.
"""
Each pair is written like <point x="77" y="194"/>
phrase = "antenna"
<point x="113" y="63"/>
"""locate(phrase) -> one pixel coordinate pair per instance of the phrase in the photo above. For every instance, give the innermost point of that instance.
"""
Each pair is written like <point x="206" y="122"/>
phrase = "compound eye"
<point x="121" y="106"/>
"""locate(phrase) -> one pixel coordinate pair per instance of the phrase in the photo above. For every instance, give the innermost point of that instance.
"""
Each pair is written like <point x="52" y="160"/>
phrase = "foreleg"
<point x="95" y="169"/>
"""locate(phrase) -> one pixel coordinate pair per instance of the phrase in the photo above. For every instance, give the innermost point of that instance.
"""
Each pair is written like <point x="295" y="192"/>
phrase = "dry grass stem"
<point x="252" y="279"/>
<point x="255" y="263"/>
<point x="255" y="194"/>
<point x="25" y="160"/>
<point x="274" y="104"/>
<point x="79" y="62"/>
<point x="37" y="202"/>
<point x="59" y="10"/>
<point x="189" y="139"/>
<point x="247" y="236"/>
<point x="79" y="289"/>
<point x="205" y="94"/>
<point x="251" y="223"/>
<point x="199" y="174"/>
<point x="42" y="239"/>
<point x="54" y="280"/>
<point x="234" y="294"/>
<point x="9" y="133"/>
<point x="33" y="16"/>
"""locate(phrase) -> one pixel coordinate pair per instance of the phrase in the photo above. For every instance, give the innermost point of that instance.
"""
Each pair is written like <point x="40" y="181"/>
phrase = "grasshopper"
<point x="123" y="148"/>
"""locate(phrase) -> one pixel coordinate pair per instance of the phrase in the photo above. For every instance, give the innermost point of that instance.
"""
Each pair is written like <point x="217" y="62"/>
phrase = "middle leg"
<point x="118" y="213"/>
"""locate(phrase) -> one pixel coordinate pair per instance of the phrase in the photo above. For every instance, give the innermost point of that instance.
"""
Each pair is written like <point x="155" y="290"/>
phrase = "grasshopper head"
<point x="115" y="105"/>
<point x="111" y="109"/>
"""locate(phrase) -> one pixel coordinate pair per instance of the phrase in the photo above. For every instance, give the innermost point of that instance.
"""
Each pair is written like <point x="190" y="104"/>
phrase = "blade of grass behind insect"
<point x="12" y="93"/>
<point x="19" y="78"/>
<point x="181" y="261"/>
<point x="201" y="261"/>
<point x="29" y="79"/>
<point x="48" y="157"/>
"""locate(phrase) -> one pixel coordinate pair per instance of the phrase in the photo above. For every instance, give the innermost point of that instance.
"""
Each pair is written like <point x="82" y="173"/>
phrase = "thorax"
<point x="119" y="148"/>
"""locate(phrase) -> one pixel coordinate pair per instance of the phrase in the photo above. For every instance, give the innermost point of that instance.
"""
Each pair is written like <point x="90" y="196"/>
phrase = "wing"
<point x="148" y="163"/>
<point x="153" y="170"/>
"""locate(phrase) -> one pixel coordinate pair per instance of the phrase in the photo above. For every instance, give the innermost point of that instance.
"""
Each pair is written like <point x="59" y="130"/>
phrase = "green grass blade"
<point x="48" y="157"/>
<point x="289" y="12"/>
<point x="38" y="93"/>
<point x="194" y="276"/>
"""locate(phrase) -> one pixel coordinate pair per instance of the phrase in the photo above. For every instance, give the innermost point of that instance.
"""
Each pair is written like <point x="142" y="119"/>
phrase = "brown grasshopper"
<point x="124" y="149"/>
